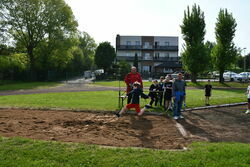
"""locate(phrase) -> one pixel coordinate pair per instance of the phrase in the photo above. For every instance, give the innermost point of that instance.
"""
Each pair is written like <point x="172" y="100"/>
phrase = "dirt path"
<point x="75" y="87"/>
<point x="159" y="132"/>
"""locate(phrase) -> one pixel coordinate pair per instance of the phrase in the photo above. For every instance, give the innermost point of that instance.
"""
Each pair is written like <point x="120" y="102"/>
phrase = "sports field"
<point x="93" y="136"/>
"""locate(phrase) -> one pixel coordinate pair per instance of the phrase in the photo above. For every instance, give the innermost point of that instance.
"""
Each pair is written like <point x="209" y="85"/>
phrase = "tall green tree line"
<point x="224" y="53"/>
<point x="45" y="31"/>
<point x="198" y="57"/>
<point x="194" y="57"/>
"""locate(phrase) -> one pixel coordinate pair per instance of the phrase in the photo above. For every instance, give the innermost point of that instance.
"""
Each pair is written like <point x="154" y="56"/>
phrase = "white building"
<point x="157" y="55"/>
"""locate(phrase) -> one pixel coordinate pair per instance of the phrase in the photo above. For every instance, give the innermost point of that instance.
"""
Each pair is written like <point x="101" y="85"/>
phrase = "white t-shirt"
<point x="248" y="90"/>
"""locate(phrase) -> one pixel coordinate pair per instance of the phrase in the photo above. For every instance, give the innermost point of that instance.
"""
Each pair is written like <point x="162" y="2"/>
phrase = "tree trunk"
<point x="31" y="63"/>
<point x="193" y="78"/>
<point x="221" y="80"/>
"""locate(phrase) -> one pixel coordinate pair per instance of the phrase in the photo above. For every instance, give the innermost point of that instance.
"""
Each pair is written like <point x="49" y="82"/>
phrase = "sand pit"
<point x="149" y="131"/>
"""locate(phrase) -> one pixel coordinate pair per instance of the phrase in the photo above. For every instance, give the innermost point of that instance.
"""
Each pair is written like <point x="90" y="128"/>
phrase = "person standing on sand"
<point x="168" y="86"/>
<point x="179" y="95"/>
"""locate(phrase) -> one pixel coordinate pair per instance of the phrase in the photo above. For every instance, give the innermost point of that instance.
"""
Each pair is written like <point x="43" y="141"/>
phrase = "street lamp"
<point x="244" y="59"/>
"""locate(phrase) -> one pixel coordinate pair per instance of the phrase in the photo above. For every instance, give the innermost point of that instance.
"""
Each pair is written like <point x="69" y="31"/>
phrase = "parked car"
<point x="245" y="76"/>
<point x="231" y="76"/>
<point x="215" y="74"/>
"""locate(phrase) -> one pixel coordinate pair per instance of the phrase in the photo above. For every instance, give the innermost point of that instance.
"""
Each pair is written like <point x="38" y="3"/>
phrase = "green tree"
<point x="136" y="61"/>
<point x="194" y="56"/>
<point x="77" y="64"/>
<point x="6" y="50"/>
<point x="104" y="56"/>
<point x="55" y="56"/>
<point x="241" y="60"/>
<point x="124" y="69"/>
<point x="13" y="64"/>
<point x="209" y="47"/>
<point x="224" y="53"/>
<point x="88" y="46"/>
<point x="33" y="21"/>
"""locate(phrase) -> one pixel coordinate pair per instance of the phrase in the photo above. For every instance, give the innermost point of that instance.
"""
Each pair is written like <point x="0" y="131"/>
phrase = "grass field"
<point x="108" y="100"/>
<point x="26" y="85"/>
<point x="19" y="152"/>
<point x="189" y="84"/>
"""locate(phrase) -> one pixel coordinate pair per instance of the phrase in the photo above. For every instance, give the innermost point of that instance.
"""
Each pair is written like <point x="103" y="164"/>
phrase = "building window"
<point x="157" y="55"/>
<point x="146" y="45"/>
<point x="156" y="44"/>
<point x="146" y="69"/>
<point x="166" y="43"/>
<point x="128" y="43"/>
<point x="128" y="54"/>
<point x="166" y="55"/>
<point x="147" y="56"/>
<point x="137" y="43"/>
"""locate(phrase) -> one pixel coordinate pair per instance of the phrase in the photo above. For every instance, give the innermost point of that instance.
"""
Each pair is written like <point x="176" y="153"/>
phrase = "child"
<point x="153" y="93"/>
<point x="135" y="94"/>
<point x="160" y="88"/>
<point x="248" y="100"/>
<point x="208" y="88"/>
<point x="168" y="86"/>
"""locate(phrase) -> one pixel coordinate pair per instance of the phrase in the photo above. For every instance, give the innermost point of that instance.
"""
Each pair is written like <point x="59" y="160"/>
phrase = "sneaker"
<point x="176" y="117"/>
<point x="117" y="115"/>
<point x="247" y="112"/>
<point x="181" y="116"/>
<point x="147" y="106"/>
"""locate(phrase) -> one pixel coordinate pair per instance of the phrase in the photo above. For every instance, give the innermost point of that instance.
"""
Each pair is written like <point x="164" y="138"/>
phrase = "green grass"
<point x="219" y="85"/>
<point x="19" y="152"/>
<point x="26" y="85"/>
<point x="189" y="84"/>
<point x="108" y="100"/>
<point x="116" y="83"/>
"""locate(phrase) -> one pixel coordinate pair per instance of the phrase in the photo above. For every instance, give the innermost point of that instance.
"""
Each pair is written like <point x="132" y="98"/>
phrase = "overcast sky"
<point x="103" y="19"/>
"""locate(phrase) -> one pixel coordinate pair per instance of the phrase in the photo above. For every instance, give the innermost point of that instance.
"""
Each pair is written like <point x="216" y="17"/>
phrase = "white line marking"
<point x="181" y="129"/>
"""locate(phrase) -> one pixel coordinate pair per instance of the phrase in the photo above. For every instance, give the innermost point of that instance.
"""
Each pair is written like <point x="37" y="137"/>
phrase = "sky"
<point x="104" y="19"/>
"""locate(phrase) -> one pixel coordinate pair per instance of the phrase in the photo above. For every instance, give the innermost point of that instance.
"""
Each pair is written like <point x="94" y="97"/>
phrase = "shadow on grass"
<point x="225" y="84"/>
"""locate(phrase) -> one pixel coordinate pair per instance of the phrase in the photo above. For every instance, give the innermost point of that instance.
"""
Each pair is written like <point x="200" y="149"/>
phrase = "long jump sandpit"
<point x="148" y="131"/>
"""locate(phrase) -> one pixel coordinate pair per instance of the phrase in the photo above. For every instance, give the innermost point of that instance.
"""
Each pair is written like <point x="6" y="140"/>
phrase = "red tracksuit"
<point x="130" y="78"/>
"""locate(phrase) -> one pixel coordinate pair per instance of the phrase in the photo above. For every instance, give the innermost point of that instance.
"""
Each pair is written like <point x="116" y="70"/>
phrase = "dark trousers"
<point x="129" y="98"/>
<point x="178" y="106"/>
<point x="154" y="98"/>
<point x="160" y="97"/>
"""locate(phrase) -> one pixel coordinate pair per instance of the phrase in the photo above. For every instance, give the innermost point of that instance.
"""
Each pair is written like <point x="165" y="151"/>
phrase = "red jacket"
<point x="130" y="78"/>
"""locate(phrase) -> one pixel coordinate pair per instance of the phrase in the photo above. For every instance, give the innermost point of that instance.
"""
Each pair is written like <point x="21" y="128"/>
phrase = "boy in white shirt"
<point x="248" y="99"/>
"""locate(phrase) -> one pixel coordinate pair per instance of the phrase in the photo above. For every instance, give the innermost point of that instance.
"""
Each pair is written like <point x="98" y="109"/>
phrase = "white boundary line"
<point x="181" y="129"/>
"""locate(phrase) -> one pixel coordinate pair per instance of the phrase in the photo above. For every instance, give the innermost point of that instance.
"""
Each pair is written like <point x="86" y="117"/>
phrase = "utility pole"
<point x="244" y="59"/>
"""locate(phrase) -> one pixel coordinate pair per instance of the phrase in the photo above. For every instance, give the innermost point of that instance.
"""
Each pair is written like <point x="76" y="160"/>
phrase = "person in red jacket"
<point x="130" y="78"/>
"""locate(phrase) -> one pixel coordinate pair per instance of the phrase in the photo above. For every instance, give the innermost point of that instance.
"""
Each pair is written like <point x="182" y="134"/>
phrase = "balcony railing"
<point x="160" y="59"/>
<point x="144" y="47"/>
<point x="129" y="47"/>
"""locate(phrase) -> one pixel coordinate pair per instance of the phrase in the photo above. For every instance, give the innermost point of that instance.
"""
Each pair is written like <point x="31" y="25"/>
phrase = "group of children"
<point x="158" y="92"/>
<point x="163" y="92"/>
